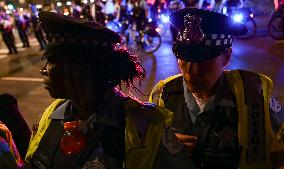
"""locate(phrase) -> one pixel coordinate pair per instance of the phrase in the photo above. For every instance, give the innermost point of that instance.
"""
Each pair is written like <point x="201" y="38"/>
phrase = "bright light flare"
<point x="68" y="3"/>
<point x="165" y="18"/>
<point x="85" y="1"/>
<point x="38" y="6"/>
<point x="58" y="3"/>
<point x="158" y="29"/>
<point x="251" y="15"/>
<point x="238" y="17"/>
<point x="66" y="13"/>
<point x="10" y="7"/>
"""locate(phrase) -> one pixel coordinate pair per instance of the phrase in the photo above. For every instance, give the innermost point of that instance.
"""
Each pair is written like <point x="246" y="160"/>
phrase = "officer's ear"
<point x="227" y="56"/>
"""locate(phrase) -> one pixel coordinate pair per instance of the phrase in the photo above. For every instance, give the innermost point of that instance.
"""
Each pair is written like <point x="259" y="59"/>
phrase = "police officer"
<point x="22" y="26"/>
<point x="38" y="31"/>
<point x="6" y="29"/>
<point x="227" y="6"/>
<point x="221" y="118"/>
<point x="91" y="124"/>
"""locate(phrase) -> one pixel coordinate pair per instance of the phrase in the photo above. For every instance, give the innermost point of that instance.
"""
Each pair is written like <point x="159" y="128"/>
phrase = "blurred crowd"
<point x="24" y="20"/>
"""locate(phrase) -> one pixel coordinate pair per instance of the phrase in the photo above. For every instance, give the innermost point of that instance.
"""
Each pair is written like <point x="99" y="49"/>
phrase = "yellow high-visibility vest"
<point x="236" y="85"/>
<point x="140" y="153"/>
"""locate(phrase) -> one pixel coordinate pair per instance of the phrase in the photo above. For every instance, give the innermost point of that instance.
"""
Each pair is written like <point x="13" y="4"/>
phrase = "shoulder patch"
<point x="275" y="105"/>
<point x="170" y="141"/>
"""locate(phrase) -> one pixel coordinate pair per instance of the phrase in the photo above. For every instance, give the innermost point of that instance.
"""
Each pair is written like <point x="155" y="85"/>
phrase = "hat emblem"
<point x="192" y="32"/>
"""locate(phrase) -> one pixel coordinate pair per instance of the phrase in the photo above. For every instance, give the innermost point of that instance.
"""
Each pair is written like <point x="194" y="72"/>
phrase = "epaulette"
<point x="150" y="111"/>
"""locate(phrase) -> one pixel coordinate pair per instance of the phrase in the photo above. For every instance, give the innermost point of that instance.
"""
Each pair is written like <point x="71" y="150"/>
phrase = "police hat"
<point x="202" y="34"/>
<point x="69" y="35"/>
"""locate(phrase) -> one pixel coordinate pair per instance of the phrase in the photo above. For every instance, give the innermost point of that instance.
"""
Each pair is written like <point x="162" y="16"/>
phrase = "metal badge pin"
<point x="192" y="32"/>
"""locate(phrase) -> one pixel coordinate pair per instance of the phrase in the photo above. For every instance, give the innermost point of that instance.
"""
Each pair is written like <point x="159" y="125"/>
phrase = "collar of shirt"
<point x="107" y="110"/>
<point x="223" y="97"/>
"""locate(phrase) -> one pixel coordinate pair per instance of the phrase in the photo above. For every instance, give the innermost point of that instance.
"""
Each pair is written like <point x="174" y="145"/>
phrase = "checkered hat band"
<point x="62" y="38"/>
<point x="214" y="40"/>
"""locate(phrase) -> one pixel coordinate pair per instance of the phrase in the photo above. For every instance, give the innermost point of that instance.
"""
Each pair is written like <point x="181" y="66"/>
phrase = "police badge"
<point x="192" y="32"/>
<point x="170" y="141"/>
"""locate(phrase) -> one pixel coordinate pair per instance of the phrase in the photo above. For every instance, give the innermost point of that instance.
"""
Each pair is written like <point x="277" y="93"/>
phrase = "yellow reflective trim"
<point x="236" y="85"/>
<point x="267" y="86"/>
<point x="141" y="152"/>
<point x="43" y="124"/>
<point x="156" y="93"/>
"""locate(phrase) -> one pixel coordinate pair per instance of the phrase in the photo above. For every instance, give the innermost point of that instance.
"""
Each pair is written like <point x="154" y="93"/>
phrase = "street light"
<point x="38" y="6"/>
<point x="68" y="3"/>
<point x="10" y="7"/>
<point x="58" y="3"/>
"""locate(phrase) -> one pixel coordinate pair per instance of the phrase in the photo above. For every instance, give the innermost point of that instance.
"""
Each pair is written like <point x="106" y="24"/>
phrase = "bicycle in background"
<point x="276" y="24"/>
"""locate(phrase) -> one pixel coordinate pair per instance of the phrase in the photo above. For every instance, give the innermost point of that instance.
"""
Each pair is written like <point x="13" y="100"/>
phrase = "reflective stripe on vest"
<point x="140" y="153"/>
<point x="236" y="84"/>
<point x="43" y="125"/>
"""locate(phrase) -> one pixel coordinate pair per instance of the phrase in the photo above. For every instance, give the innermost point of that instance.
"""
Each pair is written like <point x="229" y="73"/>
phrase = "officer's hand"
<point x="187" y="140"/>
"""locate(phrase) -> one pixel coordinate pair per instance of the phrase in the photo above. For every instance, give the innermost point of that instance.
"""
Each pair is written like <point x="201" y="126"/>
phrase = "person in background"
<point x="76" y="8"/>
<point x="278" y="5"/>
<point x="21" y="26"/>
<point x="227" y="6"/>
<point x="222" y="119"/>
<point x="204" y="4"/>
<point x="6" y="29"/>
<point x="13" y="119"/>
<point x="38" y="31"/>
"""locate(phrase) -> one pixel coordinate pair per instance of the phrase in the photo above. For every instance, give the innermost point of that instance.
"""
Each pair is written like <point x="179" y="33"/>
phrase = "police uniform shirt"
<point x="194" y="109"/>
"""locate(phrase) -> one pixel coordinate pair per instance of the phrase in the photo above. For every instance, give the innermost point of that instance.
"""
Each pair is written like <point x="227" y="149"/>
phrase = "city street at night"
<point x="19" y="74"/>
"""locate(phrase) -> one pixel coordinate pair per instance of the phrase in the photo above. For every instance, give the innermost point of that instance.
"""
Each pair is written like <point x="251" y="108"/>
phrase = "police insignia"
<point x="95" y="164"/>
<point x="275" y="105"/>
<point x="170" y="141"/>
<point x="192" y="32"/>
